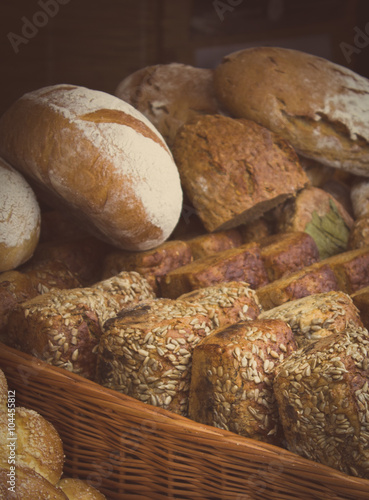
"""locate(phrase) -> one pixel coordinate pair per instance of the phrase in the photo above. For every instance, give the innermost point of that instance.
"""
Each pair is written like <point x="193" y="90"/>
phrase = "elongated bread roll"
<point x="96" y="155"/>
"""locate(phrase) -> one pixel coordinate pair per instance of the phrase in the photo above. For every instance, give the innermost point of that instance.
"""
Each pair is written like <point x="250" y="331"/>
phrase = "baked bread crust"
<point x="231" y="169"/>
<point x="320" y="107"/>
<point x="95" y="155"/>
<point x="170" y="95"/>
<point x="232" y="373"/>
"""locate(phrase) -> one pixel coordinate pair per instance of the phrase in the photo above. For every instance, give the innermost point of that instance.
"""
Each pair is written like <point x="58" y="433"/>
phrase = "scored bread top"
<point x="98" y="156"/>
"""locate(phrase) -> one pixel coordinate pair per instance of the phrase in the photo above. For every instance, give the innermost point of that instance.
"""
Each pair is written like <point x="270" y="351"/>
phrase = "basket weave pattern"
<point x="132" y="450"/>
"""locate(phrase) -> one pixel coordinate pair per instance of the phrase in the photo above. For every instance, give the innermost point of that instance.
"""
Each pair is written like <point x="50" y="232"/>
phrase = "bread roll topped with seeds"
<point x="63" y="327"/>
<point x="322" y="392"/>
<point x="232" y="373"/>
<point x="38" y="444"/>
<point x="146" y="352"/>
<point x="316" y="316"/>
<point x="226" y="303"/>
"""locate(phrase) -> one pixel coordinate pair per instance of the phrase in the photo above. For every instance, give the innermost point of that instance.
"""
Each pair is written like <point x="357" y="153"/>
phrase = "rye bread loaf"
<point x="233" y="171"/>
<point x="170" y="95"/>
<point x="320" y="107"/>
<point x="95" y="155"/>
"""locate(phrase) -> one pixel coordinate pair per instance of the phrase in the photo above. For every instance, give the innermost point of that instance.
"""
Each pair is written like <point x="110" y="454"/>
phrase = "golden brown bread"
<point x="322" y="394"/>
<point x="76" y="489"/>
<point x="320" y="107"/>
<point x="28" y="485"/>
<point x="63" y="327"/>
<point x="232" y="373"/>
<point x="231" y="170"/>
<point x="316" y="316"/>
<point x="170" y="95"/>
<point x="38" y="444"/>
<point x="243" y="263"/>
<point x="94" y="155"/>
<point x="20" y="219"/>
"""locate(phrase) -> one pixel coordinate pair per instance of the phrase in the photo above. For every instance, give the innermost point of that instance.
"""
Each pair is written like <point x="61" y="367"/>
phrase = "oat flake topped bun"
<point x="94" y="154"/>
<point x="19" y="219"/>
<point x="320" y="107"/>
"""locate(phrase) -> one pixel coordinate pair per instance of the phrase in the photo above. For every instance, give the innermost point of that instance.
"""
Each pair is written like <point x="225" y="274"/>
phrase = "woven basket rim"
<point x="194" y="431"/>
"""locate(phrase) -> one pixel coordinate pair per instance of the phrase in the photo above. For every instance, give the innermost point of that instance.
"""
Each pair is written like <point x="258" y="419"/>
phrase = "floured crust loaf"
<point x="95" y="155"/>
<point x="170" y="95"/>
<point x="234" y="170"/>
<point x="320" y="107"/>
<point x="20" y="219"/>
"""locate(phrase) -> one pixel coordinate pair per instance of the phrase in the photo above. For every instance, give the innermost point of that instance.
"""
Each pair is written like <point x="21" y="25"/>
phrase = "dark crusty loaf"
<point x="320" y="107"/>
<point x="233" y="171"/>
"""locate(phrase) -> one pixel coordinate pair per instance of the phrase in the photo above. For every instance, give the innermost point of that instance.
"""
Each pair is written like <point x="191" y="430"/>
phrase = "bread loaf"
<point x="20" y="219"/>
<point x="319" y="107"/>
<point x="232" y="374"/>
<point x="170" y="95"/>
<point x="322" y="394"/>
<point x="76" y="489"/>
<point x="231" y="170"/>
<point x="95" y="155"/>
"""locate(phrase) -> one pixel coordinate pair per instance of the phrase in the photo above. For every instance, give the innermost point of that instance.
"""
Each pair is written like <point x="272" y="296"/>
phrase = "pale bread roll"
<point x="20" y="218"/>
<point x="320" y="107"/>
<point x="96" y="155"/>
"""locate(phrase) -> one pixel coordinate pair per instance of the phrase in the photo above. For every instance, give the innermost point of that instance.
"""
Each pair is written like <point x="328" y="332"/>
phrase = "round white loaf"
<point x="94" y="154"/>
<point x="20" y="219"/>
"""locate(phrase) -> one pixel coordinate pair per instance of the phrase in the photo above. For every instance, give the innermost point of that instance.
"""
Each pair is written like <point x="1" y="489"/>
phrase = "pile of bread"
<point x="200" y="242"/>
<point x="32" y="457"/>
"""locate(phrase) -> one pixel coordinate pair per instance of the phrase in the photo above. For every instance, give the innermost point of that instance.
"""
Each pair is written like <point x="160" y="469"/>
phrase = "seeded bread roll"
<point x="243" y="263"/>
<point x="96" y="156"/>
<point x="20" y="219"/>
<point x="319" y="214"/>
<point x="76" y="489"/>
<point x="152" y="264"/>
<point x="29" y="485"/>
<point x="322" y="393"/>
<point x="3" y="392"/>
<point x="231" y="170"/>
<point x="38" y="444"/>
<point x="316" y="316"/>
<point x="146" y="352"/>
<point x="226" y="303"/>
<point x="285" y="253"/>
<point x="232" y="373"/>
<point x="319" y="107"/>
<point x="63" y="327"/>
<point x="211" y="243"/>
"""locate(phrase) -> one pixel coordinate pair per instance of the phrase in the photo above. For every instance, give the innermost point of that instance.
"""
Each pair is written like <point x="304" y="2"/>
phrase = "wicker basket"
<point x="131" y="450"/>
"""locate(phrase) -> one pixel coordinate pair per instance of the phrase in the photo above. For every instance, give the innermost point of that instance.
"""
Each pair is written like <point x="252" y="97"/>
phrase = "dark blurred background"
<point x="97" y="43"/>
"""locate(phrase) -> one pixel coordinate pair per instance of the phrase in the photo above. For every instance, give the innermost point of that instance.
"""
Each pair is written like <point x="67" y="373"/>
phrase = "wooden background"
<point x="97" y="43"/>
